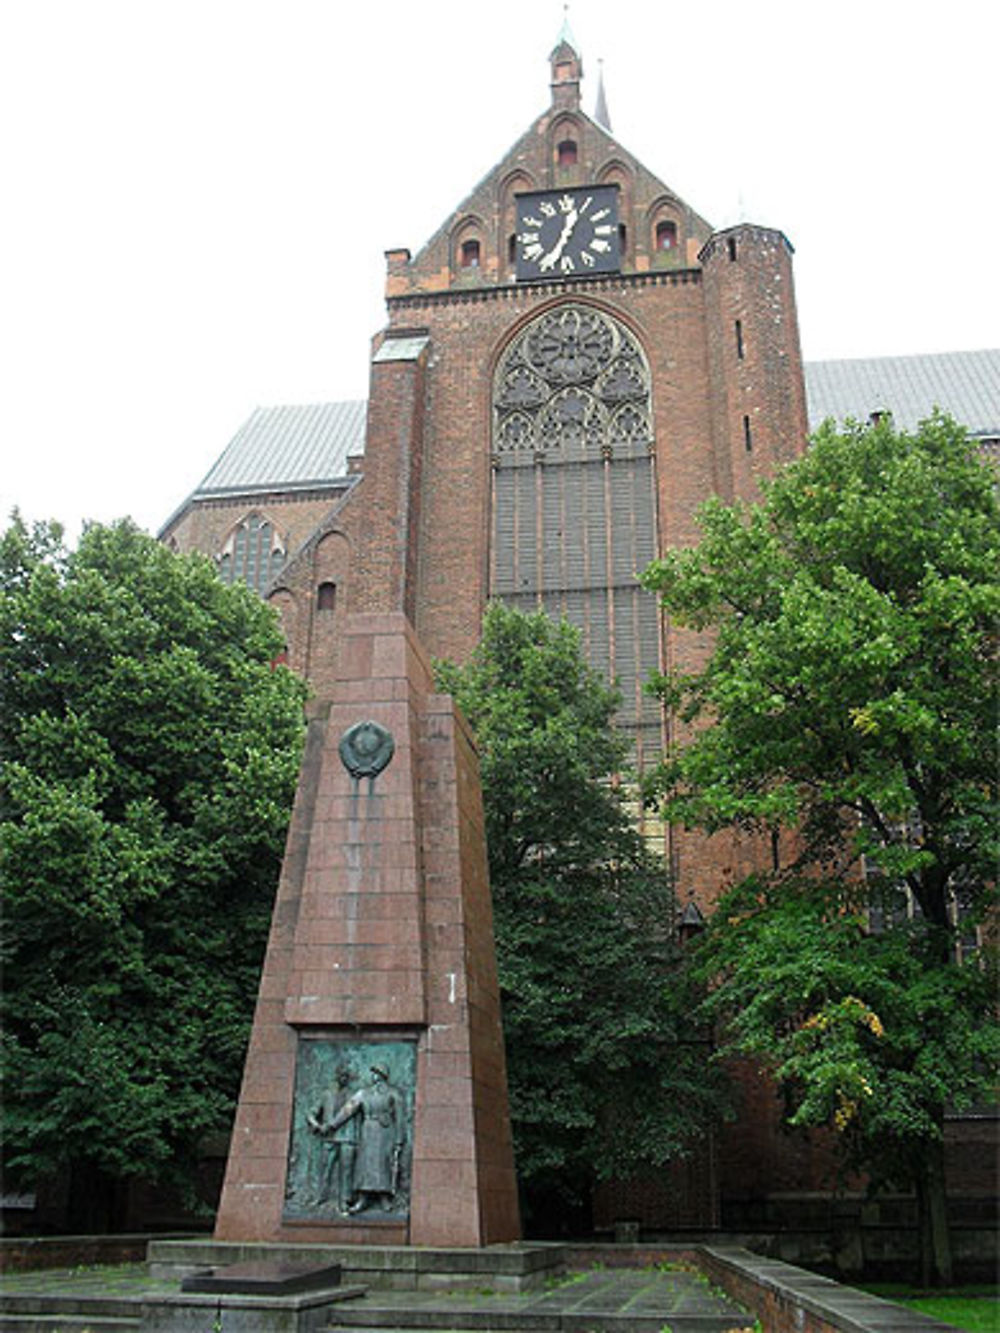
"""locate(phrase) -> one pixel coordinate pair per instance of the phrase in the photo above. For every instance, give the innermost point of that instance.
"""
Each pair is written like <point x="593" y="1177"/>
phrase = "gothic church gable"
<point x="564" y="147"/>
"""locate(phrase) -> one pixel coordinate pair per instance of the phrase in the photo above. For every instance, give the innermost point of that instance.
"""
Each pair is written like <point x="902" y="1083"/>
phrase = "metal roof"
<point x="296" y="448"/>
<point x="964" y="384"/>
<point x="290" y="448"/>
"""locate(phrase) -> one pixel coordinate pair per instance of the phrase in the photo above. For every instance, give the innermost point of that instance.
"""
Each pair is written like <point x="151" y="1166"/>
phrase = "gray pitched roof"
<point x="964" y="384"/>
<point x="291" y="448"/>
<point x="299" y="448"/>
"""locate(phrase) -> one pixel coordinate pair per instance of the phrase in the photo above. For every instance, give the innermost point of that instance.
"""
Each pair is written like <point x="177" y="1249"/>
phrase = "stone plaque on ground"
<point x="264" y="1279"/>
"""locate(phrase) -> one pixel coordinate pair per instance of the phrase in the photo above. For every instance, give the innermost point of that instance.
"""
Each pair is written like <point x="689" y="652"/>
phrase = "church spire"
<point x="601" y="108"/>
<point x="567" y="68"/>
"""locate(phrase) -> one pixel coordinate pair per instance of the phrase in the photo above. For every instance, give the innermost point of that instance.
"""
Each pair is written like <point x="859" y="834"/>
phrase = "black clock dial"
<point x="568" y="233"/>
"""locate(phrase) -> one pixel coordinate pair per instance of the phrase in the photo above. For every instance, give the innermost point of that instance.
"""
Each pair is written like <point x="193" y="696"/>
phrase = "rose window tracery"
<point x="570" y="345"/>
<point x="563" y="384"/>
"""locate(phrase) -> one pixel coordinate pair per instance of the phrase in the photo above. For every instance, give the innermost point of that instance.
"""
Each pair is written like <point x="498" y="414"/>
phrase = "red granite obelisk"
<point x="383" y="931"/>
<point x="382" y="936"/>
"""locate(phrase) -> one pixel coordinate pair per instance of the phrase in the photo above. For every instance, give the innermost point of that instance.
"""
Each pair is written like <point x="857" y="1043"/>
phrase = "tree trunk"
<point x="932" y="1219"/>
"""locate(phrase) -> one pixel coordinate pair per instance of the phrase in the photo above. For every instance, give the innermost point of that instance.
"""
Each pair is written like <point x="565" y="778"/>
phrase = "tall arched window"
<point x="574" y="494"/>
<point x="253" y="554"/>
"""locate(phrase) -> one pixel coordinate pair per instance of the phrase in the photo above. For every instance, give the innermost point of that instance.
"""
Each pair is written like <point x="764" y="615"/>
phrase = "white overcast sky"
<point x="197" y="194"/>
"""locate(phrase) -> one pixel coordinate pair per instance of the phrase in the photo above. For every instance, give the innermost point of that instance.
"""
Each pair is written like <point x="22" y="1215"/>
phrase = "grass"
<point x="973" y="1308"/>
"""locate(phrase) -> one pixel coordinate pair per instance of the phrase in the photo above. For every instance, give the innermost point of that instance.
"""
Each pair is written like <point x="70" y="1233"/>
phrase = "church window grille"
<point x="666" y="235"/>
<point x="253" y="554"/>
<point x="469" y="255"/>
<point x="566" y="153"/>
<point x="573" y="494"/>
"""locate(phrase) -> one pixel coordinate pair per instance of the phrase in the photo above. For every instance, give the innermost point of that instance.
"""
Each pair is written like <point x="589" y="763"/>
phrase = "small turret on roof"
<point x="567" y="69"/>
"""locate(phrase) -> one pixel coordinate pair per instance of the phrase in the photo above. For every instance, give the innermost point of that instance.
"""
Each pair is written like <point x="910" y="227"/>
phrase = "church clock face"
<point x="567" y="233"/>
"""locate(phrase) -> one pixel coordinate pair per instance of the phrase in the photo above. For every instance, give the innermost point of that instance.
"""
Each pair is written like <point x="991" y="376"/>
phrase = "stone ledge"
<point x="787" y="1299"/>
<point x="21" y="1254"/>
<point x="192" y="1312"/>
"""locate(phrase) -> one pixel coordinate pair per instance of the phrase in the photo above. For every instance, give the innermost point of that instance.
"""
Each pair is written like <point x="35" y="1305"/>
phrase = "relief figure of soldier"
<point x="380" y="1111"/>
<point x="333" y="1173"/>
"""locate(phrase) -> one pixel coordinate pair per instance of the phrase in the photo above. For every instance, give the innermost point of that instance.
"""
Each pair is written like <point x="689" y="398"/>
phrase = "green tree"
<point x="604" y="1076"/>
<point x="149" y="754"/>
<point x="852" y="697"/>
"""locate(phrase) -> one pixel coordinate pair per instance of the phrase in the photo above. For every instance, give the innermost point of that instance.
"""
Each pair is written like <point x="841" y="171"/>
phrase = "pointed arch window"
<point x="254" y="553"/>
<point x="566" y="153"/>
<point x="573" y="502"/>
<point x="469" y="254"/>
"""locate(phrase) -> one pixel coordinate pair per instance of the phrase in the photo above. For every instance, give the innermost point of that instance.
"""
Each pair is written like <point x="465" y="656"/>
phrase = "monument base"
<point x="515" y="1267"/>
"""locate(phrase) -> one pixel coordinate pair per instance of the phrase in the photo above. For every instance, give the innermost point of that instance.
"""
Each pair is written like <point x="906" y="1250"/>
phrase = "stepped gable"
<point x="474" y="246"/>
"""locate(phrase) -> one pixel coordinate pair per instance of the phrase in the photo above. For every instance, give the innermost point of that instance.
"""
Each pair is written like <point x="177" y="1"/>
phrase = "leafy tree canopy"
<point x="149" y="756"/>
<point x="852" y="697"/>
<point x="853" y="686"/>
<point x="595" y="1033"/>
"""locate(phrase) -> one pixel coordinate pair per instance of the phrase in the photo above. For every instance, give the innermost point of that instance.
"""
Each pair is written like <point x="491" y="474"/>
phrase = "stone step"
<point x="528" y="1321"/>
<point x="34" y="1322"/>
<point x="564" y="1323"/>
<point x="69" y="1304"/>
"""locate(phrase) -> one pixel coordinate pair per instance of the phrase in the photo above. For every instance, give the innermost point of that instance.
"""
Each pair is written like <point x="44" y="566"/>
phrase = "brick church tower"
<point x="571" y="364"/>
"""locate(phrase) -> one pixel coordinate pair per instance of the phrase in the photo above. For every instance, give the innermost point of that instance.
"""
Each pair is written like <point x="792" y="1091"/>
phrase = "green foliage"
<point x="852" y="696"/>
<point x="149" y="756"/>
<point x="543" y="721"/>
<point x="867" y="1032"/>
<point x="852" y="692"/>
<point x="603" y="1077"/>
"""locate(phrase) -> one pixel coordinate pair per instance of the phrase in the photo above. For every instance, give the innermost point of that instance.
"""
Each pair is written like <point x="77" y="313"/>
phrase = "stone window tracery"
<point x="254" y="553"/>
<point x="572" y="391"/>
<point x="563" y="382"/>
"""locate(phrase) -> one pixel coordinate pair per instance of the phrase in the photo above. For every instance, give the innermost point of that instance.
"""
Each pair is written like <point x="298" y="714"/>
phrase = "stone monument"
<point x="374" y="1100"/>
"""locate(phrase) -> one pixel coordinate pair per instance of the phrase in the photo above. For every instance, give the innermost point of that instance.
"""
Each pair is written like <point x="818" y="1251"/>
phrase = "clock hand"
<point x="550" y="259"/>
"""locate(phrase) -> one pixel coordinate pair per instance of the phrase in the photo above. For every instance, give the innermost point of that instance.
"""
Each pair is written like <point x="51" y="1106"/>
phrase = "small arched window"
<point x="566" y="153"/>
<point x="469" y="254"/>
<point x="666" y="235"/>
<point x="326" y="597"/>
